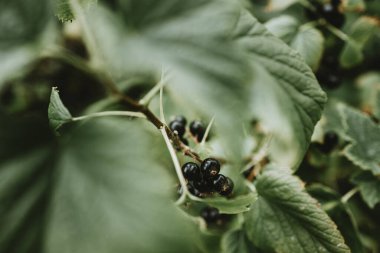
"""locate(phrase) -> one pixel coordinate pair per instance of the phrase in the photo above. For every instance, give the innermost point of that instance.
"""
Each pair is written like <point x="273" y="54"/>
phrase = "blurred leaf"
<point x="57" y="112"/>
<point x="285" y="95"/>
<point x="190" y="40"/>
<point x="22" y="34"/>
<point x="236" y="241"/>
<point x="278" y="5"/>
<point x="306" y="40"/>
<point x="369" y="85"/>
<point x="97" y="192"/>
<point x="339" y="213"/>
<point x="354" y="5"/>
<point x="286" y="219"/>
<point x="63" y="10"/>
<point x="360" y="32"/>
<point x="232" y="206"/>
<point x="369" y="187"/>
<point x="364" y="137"/>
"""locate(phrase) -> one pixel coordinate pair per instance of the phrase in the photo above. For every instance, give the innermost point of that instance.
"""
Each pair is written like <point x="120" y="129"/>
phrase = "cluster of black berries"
<point x="328" y="11"/>
<point x="178" y="125"/>
<point x="205" y="179"/>
<point x="330" y="141"/>
<point x="212" y="216"/>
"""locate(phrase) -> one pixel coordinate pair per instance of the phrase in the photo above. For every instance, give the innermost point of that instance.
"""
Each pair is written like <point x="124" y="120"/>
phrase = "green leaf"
<point x="278" y="5"/>
<point x="95" y="191"/>
<point x="339" y="213"/>
<point x="232" y="206"/>
<point x="286" y="219"/>
<point x="23" y="35"/>
<point x="369" y="86"/>
<point x="189" y="39"/>
<point x="360" y="32"/>
<point x="236" y="241"/>
<point x="364" y="137"/>
<point x="57" y="112"/>
<point x="306" y="40"/>
<point x="63" y="10"/>
<point x="369" y="187"/>
<point x="285" y="95"/>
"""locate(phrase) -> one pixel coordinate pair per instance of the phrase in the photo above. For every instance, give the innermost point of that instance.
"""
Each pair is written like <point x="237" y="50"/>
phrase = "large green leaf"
<point x="369" y="187"/>
<point x="96" y="191"/>
<point x="187" y="38"/>
<point x="286" y="219"/>
<point x="285" y="95"/>
<point x="236" y="241"/>
<point x="339" y="213"/>
<point x="22" y="36"/>
<point x="364" y="137"/>
<point x="305" y="39"/>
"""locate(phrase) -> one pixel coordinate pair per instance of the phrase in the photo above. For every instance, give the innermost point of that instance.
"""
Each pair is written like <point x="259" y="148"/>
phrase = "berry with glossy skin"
<point x="210" y="167"/>
<point x="204" y="186"/>
<point x="218" y="182"/>
<point x="197" y="129"/>
<point x="191" y="171"/>
<point x="178" y="127"/>
<point x="332" y="15"/>
<point x="193" y="190"/>
<point x="210" y="214"/>
<point x="181" y="119"/>
<point x="329" y="80"/>
<point x="227" y="188"/>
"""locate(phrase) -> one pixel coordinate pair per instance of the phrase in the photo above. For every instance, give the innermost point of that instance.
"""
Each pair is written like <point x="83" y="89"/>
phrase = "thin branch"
<point x="110" y="113"/>
<point x="349" y="194"/>
<point x="177" y="166"/>
<point x="207" y="131"/>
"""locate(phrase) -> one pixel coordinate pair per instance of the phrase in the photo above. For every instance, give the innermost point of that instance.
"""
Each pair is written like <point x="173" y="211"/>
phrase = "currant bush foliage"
<point x="89" y="161"/>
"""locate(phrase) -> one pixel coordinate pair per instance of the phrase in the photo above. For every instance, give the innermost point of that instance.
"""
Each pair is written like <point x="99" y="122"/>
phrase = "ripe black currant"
<point x="329" y="79"/>
<point x="178" y="127"/>
<point x="210" y="214"/>
<point x="204" y="186"/>
<point x="193" y="190"/>
<point x="181" y="119"/>
<point x="197" y="129"/>
<point x="330" y="141"/>
<point x="227" y="188"/>
<point x="219" y="182"/>
<point x="191" y="171"/>
<point x="210" y="167"/>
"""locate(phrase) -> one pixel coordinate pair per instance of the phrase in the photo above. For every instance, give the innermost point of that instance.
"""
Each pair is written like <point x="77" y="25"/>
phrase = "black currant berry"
<point x="197" y="129"/>
<point x="184" y="141"/>
<point x="210" y="167"/>
<point x="204" y="186"/>
<point x="330" y="141"/>
<point x="328" y="79"/>
<point x="191" y="171"/>
<point x="218" y="182"/>
<point x="178" y="127"/>
<point x="210" y="214"/>
<point x="193" y="190"/>
<point x="332" y="15"/>
<point x="181" y="119"/>
<point x="227" y="188"/>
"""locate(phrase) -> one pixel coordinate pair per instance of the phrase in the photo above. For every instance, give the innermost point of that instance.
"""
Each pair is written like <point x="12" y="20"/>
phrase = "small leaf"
<point x="364" y="137"/>
<point x="57" y="112"/>
<point x="232" y="206"/>
<point x="369" y="187"/>
<point x="63" y="10"/>
<point x="369" y="87"/>
<point x="278" y="5"/>
<point x="360" y="32"/>
<point x="286" y="219"/>
<point x="285" y="95"/>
